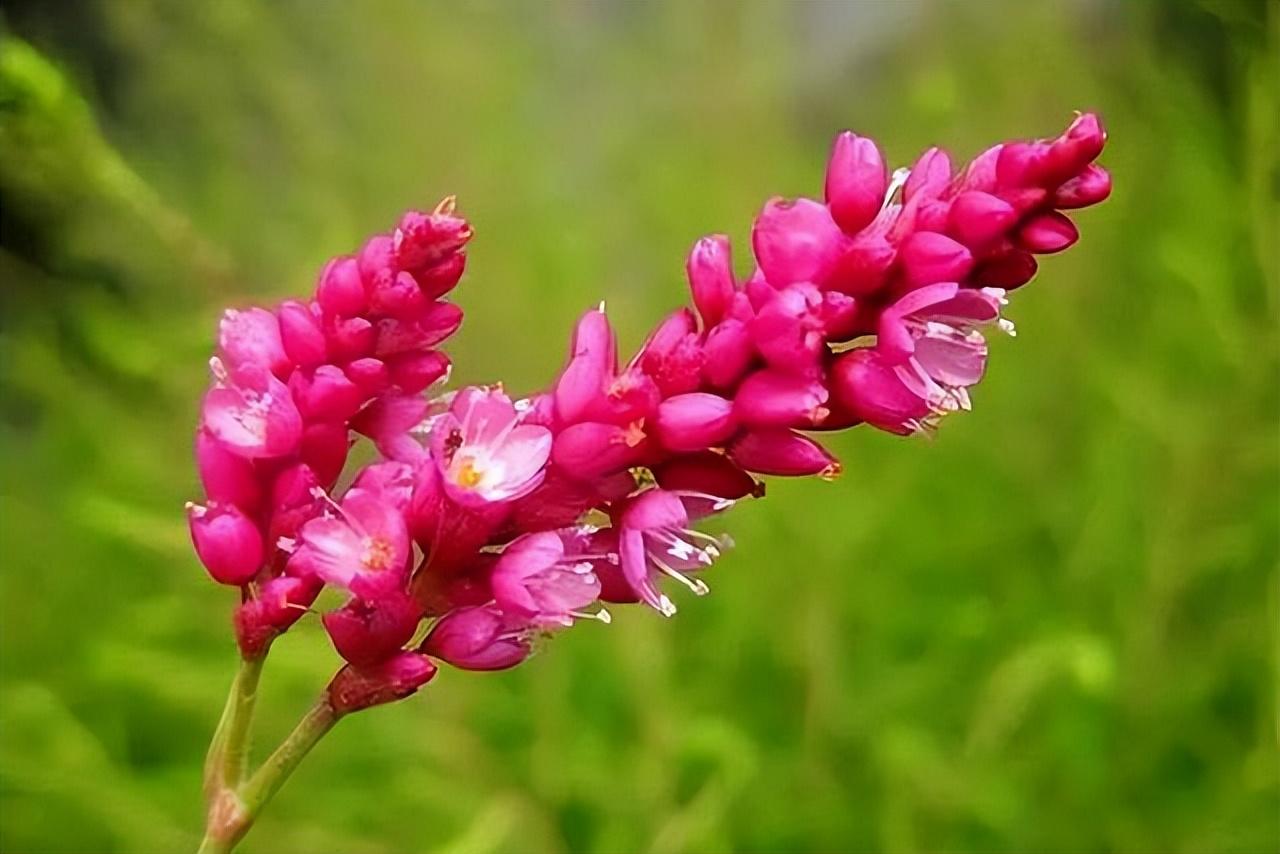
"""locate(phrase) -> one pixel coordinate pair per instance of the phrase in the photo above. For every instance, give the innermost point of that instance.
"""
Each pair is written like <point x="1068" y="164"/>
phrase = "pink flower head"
<point x="480" y="638"/>
<point x="536" y="580"/>
<point x="363" y="547"/>
<point x="655" y="540"/>
<point x="251" y="412"/>
<point x="484" y="453"/>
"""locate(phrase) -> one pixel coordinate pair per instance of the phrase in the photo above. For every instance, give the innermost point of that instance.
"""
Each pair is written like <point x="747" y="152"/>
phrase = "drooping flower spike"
<point x="496" y="521"/>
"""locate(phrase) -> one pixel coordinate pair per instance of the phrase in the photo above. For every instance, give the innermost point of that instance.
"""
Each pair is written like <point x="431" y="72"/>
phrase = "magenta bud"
<point x="728" y="353"/>
<point x="371" y="375"/>
<point x="375" y="258"/>
<point x="707" y="472"/>
<point x="929" y="176"/>
<point x="863" y="269"/>
<point x="252" y="337"/>
<point x="227" y="542"/>
<point x="437" y="322"/>
<point x="252" y="414"/>
<point x="324" y="450"/>
<point x="977" y="218"/>
<point x="367" y="631"/>
<point x="1021" y="164"/>
<point x="326" y="395"/>
<point x="228" y="478"/>
<point x="710" y="272"/>
<point x="866" y="385"/>
<point x="783" y="452"/>
<point x="341" y="291"/>
<point x="856" y="182"/>
<point x="352" y="338"/>
<point x="694" y="421"/>
<point x="414" y="372"/>
<point x="477" y="638"/>
<point x="438" y="279"/>
<point x="772" y="398"/>
<point x="1078" y="146"/>
<point x="795" y="241"/>
<point x="1011" y="270"/>
<point x="279" y="604"/>
<point x="1091" y="186"/>
<point x="424" y="239"/>
<point x="980" y="174"/>
<point x="301" y="334"/>
<point x="353" y="689"/>
<point x="590" y="449"/>
<point x="396" y="294"/>
<point x="928" y="257"/>
<point x="1048" y="233"/>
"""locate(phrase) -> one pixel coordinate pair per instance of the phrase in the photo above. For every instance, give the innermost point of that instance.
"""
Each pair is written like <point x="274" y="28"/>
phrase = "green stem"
<point x="233" y="811"/>
<point x="244" y="693"/>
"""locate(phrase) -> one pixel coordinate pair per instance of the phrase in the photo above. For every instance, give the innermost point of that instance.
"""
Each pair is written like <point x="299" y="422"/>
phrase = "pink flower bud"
<point x="590" y="449"/>
<point x="437" y="322"/>
<point x="980" y="174"/>
<point x="375" y="258"/>
<point x="771" y="398"/>
<point x="228" y="543"/>
<point x="863" y="268"/>
<point x="1021" y="164"/>
<point x="252" y="337"/>
<point x="293" y="502"/>
<point x="856" y="182"/>
<point x="301" y="334"/>
<point x="789" y="331"/>
<point x="349" y="339"/>
<point x="694" y="421"/>
<point x="929" y="176"/>
<point x="783" y="452"/>
<point x="279" y="604"/>
<point x="707" y="472"/>
<point x="324" y="450"/>
<point x="478" y="638"/>
<point x="353" y="689"/>
<point x="710" y="271"/>
<point x="1010" y="270"/>
<point x="728" y="353"/>
<point x="327" y="394"/>
<point x="228" y="478"/>
<point x="414" y="372"/>
<point x="395" y="294"/>
<point x="928" y="257"/>
<point x="371" y="375"/>
<point x="438" y="279"/>
<point x="978" y="218"/>
<point x="340" y="291"/>
<point x="1091" y="186"/>
<point x="865" y="384"/>
<point x="795" y="241"/>
<point x="367" y="631"/>
<point x="422" y="240"/>
<point x="672" y="357"/>
<point x="1048" y="233"/>
<point x="1073" y="151"/>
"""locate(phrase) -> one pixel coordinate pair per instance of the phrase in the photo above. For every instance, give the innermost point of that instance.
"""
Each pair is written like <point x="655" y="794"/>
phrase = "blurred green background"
<point x="1051" y="629"/>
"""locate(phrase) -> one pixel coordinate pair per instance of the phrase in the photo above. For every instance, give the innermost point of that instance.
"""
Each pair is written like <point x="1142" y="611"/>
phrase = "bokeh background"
<point x="1051" y="629"/>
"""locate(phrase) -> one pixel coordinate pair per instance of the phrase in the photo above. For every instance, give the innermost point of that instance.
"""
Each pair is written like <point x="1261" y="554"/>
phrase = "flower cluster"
<point x="488" y="521"/>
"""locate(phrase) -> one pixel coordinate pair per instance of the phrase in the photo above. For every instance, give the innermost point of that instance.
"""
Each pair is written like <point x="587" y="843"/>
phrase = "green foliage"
<point x="1051" y="629"/>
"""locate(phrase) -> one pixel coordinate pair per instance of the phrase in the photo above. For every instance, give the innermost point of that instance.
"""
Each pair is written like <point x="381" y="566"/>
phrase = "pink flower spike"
<point x="771" y="398"/>
<point x="1048" y="233"/>
<point x="228" y="478"/>
<point x="856" y="182"/>
<point x="795" y="241"/>
<point x="340" y="291"/>
<point x="535" y="580"/>
<point x="301" y="334"/>
<point x="353" y="689"/>
<point x="367" y="631"/>
<point x="927" y="257"/>
<point x="694" y="421"/>
<point x="228" y="543"/>
<point x="710" y="272"/>
<point x="783" y="452"/>
<point x="364" y="548"/>
<point x="484" y="454"/>
<point x="251" y="412"/>
<point x="479" y="638"/>
<point x="252" y="338"/>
